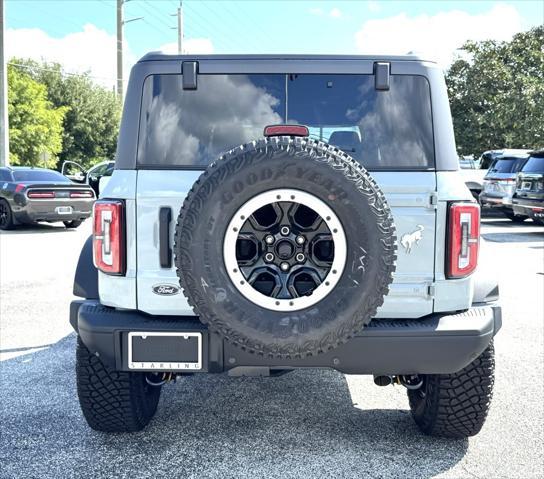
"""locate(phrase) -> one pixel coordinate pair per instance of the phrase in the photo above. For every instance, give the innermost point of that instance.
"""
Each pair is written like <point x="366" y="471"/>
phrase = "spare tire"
<point x="285" y="246"/>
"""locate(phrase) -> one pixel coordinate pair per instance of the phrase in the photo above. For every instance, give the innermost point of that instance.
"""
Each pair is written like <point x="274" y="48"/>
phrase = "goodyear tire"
<point x="286" y="247"/>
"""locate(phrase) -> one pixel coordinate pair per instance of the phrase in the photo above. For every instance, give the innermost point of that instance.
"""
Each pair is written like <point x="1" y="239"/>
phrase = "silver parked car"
<point x="500" y="181"/>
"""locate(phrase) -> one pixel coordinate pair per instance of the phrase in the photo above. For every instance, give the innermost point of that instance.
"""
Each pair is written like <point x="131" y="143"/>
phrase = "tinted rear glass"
<point x="535" y="164"/>
<point x="507" y="165"/>
<point x="39" y="175"/>
<point x="381" y="129"/>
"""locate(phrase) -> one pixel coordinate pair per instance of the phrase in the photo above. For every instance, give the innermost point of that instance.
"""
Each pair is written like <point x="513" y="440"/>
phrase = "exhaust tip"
<point x="383" y="380"/>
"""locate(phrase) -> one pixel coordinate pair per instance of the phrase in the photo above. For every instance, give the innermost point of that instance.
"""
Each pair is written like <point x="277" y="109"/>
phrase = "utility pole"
<point x="4" y="125"/>
<point x="179" y="14"/>
<point x="120" y="41"/>
<point x="120" y="49"/>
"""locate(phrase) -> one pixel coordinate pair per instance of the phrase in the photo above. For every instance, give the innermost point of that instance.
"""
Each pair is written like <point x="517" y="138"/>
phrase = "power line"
<point x="205" y="23"/>
<point x="60" y="71"/>
<point x="155" y="28"/>
<point x="152" y="12"/>
<point x="243" y="19"/>
<point x="222" y="26"/>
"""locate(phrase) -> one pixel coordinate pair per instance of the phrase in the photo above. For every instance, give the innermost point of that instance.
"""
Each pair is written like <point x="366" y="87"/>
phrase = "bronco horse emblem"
<point x="409" y="239"/>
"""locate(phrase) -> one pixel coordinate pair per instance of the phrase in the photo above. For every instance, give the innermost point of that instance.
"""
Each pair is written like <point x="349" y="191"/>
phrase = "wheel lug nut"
<point x="269" y="239"/>
<point x="269" y="257"/>
<point x="284" y="266"/>
<point x="284" y="230"/>
<point x="300" y="257"/>
<point x="301" y="239"/>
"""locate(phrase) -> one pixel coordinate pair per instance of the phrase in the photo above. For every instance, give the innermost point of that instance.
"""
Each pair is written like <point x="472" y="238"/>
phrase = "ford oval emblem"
<point x="165" y="289"/>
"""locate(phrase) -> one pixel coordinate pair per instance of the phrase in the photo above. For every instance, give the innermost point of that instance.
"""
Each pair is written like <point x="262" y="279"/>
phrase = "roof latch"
<point x="190" y="73"/>
<point x="382" y="72"/>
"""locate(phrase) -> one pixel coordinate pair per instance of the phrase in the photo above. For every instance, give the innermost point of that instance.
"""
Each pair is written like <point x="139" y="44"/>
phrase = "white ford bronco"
<point x="268" y="213"/>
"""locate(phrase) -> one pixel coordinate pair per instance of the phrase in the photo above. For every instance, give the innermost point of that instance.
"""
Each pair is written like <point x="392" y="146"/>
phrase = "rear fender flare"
<point x="86" y="278"/>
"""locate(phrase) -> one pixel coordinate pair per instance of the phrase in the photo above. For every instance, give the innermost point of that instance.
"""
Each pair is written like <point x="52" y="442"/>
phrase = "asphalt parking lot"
<point x="303" y="424"/>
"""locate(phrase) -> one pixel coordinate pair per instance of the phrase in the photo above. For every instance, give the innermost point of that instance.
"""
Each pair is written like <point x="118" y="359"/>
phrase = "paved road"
<point x="303" y="424"/>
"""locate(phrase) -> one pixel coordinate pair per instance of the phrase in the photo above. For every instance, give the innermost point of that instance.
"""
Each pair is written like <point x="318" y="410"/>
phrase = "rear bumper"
<point x="533" y="208"/>
<point x="496" y="201"/>
<point x="439" y="343"/>
<point x="46" y="210"/>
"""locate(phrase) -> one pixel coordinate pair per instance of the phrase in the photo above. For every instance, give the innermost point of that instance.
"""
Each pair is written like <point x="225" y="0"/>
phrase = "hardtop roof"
<point x="512" y="153"/>
<point x="162" y="56"/>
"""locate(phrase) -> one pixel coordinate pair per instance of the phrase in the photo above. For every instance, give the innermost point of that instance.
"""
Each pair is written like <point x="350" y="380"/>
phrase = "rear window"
<point x="381" y="129"/>
<point x="507" y="165"/>
<point x="535" y="164"/>
<point x="39" y="175"/>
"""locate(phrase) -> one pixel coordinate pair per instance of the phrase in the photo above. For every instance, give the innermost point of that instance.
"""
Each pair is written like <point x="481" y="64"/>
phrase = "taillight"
<point x="464" y="239"/>
<point x="40" y="194"/>
<point x="109" y="236"/>
<point x="81" y="194"/>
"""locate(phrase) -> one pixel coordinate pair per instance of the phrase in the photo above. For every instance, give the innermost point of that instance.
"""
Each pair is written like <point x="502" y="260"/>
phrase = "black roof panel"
<point x="161" y="56"/>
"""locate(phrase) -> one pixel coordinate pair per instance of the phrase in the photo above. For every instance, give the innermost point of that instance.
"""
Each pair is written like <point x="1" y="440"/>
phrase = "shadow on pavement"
<point x="505" y="223"/>
<point x="301" y="424"/>
<point x="515" y="237"/>
<point x="37" y="228"/>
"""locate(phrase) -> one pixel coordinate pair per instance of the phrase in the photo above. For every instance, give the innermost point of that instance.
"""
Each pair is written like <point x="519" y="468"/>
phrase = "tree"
<point x="497" y="94"/>
<point x="35" y="125"/>
<point x="91" y="124"/>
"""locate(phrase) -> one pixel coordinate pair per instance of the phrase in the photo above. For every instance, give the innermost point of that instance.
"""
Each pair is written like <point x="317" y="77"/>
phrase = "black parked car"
<point x="528" y="199"/>
<point x="29" y="195"/>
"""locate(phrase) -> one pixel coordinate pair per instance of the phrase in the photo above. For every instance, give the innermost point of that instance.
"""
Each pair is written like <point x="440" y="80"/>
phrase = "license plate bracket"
<point x="164" y="351"/>
<point x="64" y="210"/>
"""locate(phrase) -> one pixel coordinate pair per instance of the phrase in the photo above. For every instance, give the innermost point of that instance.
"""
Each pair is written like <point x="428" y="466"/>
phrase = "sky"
<point x="81" y="35"/>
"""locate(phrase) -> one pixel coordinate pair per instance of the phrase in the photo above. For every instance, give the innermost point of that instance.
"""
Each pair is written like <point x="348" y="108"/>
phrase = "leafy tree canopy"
<point x="91" y="123"/>
<point x="35" y="125"/>
<point x="496" y="92"/>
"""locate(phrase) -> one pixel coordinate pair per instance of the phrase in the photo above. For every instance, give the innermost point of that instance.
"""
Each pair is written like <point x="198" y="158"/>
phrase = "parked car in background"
<point x="500" y="182"/>
<point x="92" y="176"/>
<point x="29" y="195"/>
<point x="472" y="174"/>
<point x="528" y="200"/>
<point x="487" y="157"/>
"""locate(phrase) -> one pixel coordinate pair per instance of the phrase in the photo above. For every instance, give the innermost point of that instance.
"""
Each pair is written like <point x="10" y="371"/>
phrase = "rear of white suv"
<point x="353" y="237"/>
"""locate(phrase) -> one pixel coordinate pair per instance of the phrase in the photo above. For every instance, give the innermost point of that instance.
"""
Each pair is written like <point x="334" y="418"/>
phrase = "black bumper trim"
<point x="436" y="344"/>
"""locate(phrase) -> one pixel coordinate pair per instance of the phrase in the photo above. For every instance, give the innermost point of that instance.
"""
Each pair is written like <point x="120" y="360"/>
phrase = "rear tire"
<point x="455" y="405"/>
<point x="515" y="218"/>
<point x="72" y="224"/>
<point x="6" y="216"/>
<point x="113" y="401"/>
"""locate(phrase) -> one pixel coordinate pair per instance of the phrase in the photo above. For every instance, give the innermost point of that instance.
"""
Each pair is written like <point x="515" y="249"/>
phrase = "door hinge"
<point x="431" y="290"/>
<point x="433" y="200"/>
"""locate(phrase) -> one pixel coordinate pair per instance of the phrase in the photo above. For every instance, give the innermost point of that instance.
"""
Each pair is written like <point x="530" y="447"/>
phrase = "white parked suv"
<point x="268" y="213"/>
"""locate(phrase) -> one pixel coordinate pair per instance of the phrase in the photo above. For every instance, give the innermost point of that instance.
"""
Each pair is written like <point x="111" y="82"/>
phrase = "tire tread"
<point x="112" y="401"/>
<point x="229" y="164"/>
<point x="456" y="405"/>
